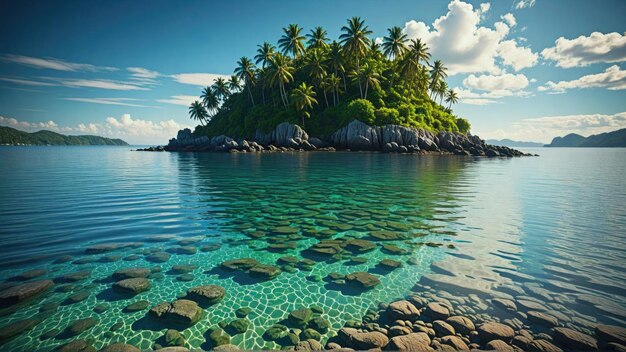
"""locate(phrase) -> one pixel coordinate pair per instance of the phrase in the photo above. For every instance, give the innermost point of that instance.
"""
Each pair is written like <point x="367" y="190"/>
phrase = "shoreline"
<point x="356" y="136"/>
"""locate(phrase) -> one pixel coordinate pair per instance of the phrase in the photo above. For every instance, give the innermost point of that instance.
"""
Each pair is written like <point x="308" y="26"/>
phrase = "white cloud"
<point x="583" y="51"/>
<point x="543" y="129"/>
<point x="522" y="4"/>
<point x="491" y="83"/>
<point x="466" y="47"/>
<point x="613" y="78"/>
<point x="184" y="100"/>
<point x="99" y="83"/>
<point x="140" y="72"/>
<point x="111" y="101"/>
<point x="26" y="82"/>
<point x="53" y="64"/>
<point x="133" y="131"/>
<point x="478" y="101"/>
<point x="198" y="79"/>
<point x="509" y="19"/>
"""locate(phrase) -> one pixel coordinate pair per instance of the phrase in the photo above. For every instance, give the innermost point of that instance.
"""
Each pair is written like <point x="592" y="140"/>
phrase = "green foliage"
<point x="12" y="136"/>
<point x="330" y="83"/>
<point x="359" y="109"/>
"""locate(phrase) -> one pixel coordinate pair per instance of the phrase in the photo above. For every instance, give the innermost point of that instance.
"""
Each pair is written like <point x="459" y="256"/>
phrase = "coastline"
<point x="356" y="136"/>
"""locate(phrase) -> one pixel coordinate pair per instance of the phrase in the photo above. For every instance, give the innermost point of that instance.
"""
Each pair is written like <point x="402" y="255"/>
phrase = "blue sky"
<point x="528" y="70"/>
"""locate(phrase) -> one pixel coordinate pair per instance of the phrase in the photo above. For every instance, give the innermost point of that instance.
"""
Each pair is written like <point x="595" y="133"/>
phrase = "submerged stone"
<point x="181" y="311"/>
<point x="30" y="274"/>
<point x="12" y="330"/>
<point x="174" y="338"/>
<point x="362" y="279"/>
<point x="359" y="245"/>
<point x="132" y="286"/>
<point x="243" y="312"/>
<point x="158" y="257"/>
<point x="137" y="306"/>
<point x="24" y="292"/>
<point x="120" y="347"/>
<point x="131" y="273"/>
<point x="265" y="271"/>
<point x="76" y="346"/>
<point x="209" y="294"/>
<point x="219" y="337"/>
<point x="80" y="326"/>
<point x="300" y="317"/>
<point x="240" y="264"/>
<point x="391" y="249"/>
<point x="238" y="326"/>
<point x="386" y="235"/>
<point x="390" y="264"/>
<point x="74" y="277"/>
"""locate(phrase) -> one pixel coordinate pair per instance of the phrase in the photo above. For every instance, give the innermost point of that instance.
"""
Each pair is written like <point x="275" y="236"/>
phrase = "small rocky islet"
<point x="342" y="260"/>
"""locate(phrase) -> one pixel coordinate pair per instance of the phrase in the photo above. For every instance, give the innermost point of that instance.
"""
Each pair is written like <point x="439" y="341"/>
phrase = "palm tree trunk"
<point x="326" y="98"/>
<point x="367" y="84"/>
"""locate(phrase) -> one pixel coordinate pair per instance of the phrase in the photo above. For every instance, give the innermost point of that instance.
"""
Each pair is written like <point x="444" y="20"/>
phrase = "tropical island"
<point x="11" y="136"/>
<point x="352" y="93"/>
<point x="614" y="139"/>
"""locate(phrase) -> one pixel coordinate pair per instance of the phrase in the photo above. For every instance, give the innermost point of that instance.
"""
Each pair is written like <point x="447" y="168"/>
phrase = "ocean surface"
<point x="548" y="229"/>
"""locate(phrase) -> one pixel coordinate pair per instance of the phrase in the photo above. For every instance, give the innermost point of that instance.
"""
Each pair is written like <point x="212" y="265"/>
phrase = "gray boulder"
<point x="357" y="136"/>
<point x="281" y="135"/>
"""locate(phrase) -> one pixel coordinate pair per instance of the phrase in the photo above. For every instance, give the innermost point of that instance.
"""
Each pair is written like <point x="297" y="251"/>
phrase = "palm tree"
<point x="280" y="72"/>
<point x="369" y="74"/>
<point x="197" y="112"/>
<point x="245" y="71"/>
<point x="441" y="90"/>
<point x="334" y="83"/>
<point x="437" y="73"/>
<point x="355" y="41"/>
<point x="264" y="54"/>
<point x="394" y="43"/>
<point x="220" y="88"/>
<point x="315" y="64"/>
<point x="419" y="50"/>
<point x="317" y="38"/>
<point x="303" y="98"/>
<point x="451" y="98"/>
<point x="335" y="61"/>
<point x="234" y="84"/>
<point x="210" y="101"/>
<point x="291" y="41"/>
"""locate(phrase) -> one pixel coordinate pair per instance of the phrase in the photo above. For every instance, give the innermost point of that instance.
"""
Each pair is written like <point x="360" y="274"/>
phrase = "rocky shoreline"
<point x="356" y="136"/>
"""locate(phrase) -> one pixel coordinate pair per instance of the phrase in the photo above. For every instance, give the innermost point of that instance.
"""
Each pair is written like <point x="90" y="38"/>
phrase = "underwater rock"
<point x="359" y="246"/>
<point x="611" y="333"/>
<point x="442" y="328"/>
<point x="14" y="329"/>
<point x="243" y="312"/>
<point x="120" y="347"/>
<point x="209" y="294"/>
<point x="264" y="271"/>
<point x="391" y="249"/>
<point x="108" y="247"/>
<point x="132" y="286"/>
<point x="240" y="264"/>
<point x="461" y="324"/>
<point x="73" y="277"/>
<point x="130" y="273"/>
<point x="158" y="257"/>
<point x="137" y="306"/>
<point x="437" y="311"/>
<point x="219" y="337"/>
<point x="181" y="311"/>
<point x="542" y="318"/>
<point x="238" y="326"/>
<point x="455" y="342"/>
<point x="174" y="338"/>
<point x="575" y="340"/>
<point x="386" y="235"/>
<point x="77" y="297"/>
<point x="183" y="269"/>
<point x="30" y="274"/>
<point x="300" y="317"/>
<point x="308" y="345"/>
<point x="320" y="325"/>
<point x="402" y="310"/>
<point x="76" y="346"/>
<point x="495" y="331"/>
<point x="390" y="264"/>
<point x="362" y="279"/>
<point x="80" y="326"/>
<point x="24" y="292"/>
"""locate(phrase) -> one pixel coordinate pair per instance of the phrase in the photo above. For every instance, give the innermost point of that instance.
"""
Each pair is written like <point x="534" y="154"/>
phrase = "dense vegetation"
<point x="323" y="85"/>
<point x="12" y="136"/>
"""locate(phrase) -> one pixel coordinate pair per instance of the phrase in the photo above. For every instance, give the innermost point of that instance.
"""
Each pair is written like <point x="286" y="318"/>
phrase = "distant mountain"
<point x="11" y="136"/>
<point x="513" y="144"/>
<point x="613" y="139"/>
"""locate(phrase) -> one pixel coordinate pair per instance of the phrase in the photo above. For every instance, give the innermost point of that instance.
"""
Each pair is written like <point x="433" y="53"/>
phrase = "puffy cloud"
<point x="506" y="81"/>
<point x="583" y="51"/>
<point x="134" y="131"/>
<point x="466" y="47"/>
<point x="53" y="64"/>
<point x="198" y="79"/>
<point x="184" y="100"/>
<point x="613" y="78"/>
<point x="522" y="4"/>
<point x="509" y="19"/>
<point x="111" y="101"/>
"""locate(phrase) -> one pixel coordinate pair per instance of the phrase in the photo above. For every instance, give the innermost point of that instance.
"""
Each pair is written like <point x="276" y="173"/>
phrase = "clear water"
<point x="550" y="228"/>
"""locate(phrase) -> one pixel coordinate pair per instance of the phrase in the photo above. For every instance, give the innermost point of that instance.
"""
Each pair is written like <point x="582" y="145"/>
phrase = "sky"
<point x="523" y="69"/>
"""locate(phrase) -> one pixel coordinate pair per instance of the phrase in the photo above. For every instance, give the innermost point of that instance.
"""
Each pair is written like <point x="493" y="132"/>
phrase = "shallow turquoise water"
<point x="554" y="223"/>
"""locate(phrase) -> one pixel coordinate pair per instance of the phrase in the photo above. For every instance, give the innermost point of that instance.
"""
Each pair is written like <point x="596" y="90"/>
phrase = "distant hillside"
<point x="513" y="144"/>
<point x="615" y="139"/>
<point x="11" y="136"/>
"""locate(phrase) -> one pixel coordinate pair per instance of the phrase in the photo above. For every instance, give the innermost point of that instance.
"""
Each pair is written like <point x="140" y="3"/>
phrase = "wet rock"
<point x="226" y="348"/>
<point x="276" y="332"/>
<point x="12" y="330"/>
<point x="132" y="286"/>
<point x="418" y="341"/>
<point x="363" y="340"/>
<point x="391" y="249"/>
<point x="359" y="246"/>
<point x="300" y="317"/>
<point x="437" y="311"/>
<point x="402" y="310"/>
<point x="527" y="305"/>
<point x="542" y="318"/>
<point x="30" y="274"/>
<point x="418" y="301"/>
<point x="181" y="311"/>
<point x="100" y="308"/>
<point x="398" y="331"/>
<point x="308" y="345"/>
<point x="357" y="136"/>
<point x="442" y="328"/>
<point x="498" y="345"/>
<point x="505" y="304"/>
<point x="108" y="247"/>
<point x="521" y="341"/>
<point x="495" y="331"/>
<point x="541" y="345"/>
<point x="264" y="271"/>
<point x="120" y="347"/>
<point x="80" y="326"/>
<point x="386" y="235"/>
<point x="219" y="337"/>
<point x="574" y="339"/>
<point x="77" y="297"/>
<point x="185" y="277"/>
<point x="611" y="333"/>
<point x="76" y="346"/>
<point x="137" y="306"/>
<point x="240" y="264"/>
<point x="320" y="325"/>
<point x="49" y="334"/>
<point x="186" y="250"/>
<point x="24" y="292"/>
<point x="362" y="279"/>
<point x="288" y="260"/>
<point x="310" y="334"/>
<point x="461" y="324"/>
<point x="130" y="273"/>
<point x="389" y="264"/>
<point x="455" y="342"/>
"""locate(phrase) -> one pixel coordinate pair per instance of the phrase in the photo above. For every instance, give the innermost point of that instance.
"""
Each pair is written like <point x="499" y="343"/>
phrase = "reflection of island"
<point x="615" y="139"/>
<point x="11" y="136"/>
